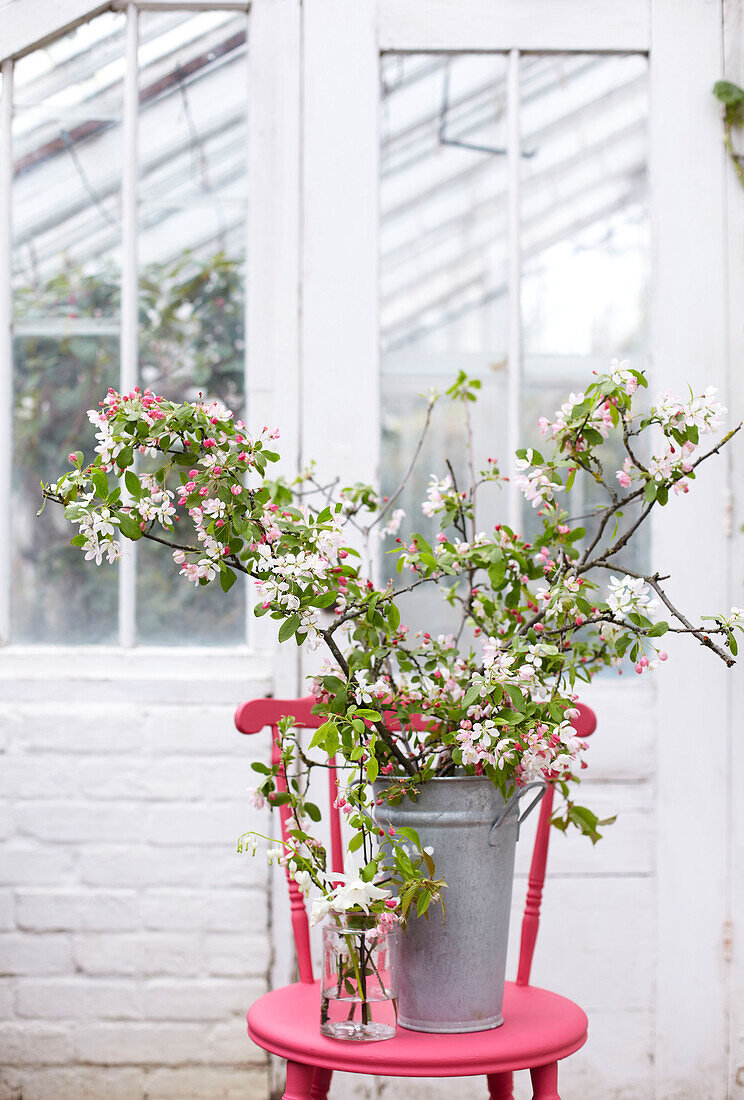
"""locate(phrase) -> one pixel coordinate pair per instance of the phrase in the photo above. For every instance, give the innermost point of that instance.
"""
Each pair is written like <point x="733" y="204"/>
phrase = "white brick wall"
<point x="133" y="937"/>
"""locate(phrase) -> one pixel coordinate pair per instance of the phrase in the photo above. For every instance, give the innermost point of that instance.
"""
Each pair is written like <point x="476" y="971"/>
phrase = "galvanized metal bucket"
<point x="452" y="971"/>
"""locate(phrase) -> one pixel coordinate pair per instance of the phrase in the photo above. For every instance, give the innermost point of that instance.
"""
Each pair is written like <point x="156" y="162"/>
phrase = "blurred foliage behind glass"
<point x="191" y="319"/>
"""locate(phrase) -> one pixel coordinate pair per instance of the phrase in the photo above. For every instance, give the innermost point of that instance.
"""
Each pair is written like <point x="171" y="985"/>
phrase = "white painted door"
<point x="634" y="929"/>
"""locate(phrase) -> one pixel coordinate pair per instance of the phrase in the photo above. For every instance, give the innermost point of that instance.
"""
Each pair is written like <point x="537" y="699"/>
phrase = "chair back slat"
<point x="256" y="715"/>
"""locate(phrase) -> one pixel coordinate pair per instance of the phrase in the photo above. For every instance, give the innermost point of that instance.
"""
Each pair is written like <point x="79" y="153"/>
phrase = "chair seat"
<point x="539" y="1028"/>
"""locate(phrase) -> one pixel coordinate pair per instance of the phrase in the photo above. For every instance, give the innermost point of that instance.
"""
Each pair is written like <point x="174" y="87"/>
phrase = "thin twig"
<point x="404" y="481"/>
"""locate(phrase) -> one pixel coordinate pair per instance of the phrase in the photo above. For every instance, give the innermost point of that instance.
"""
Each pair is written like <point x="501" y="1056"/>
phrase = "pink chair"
<point x="539" y="1027"/>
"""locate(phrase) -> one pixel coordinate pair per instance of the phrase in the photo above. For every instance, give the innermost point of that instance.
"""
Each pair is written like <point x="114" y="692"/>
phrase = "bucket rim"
<point x="446" y="779"/>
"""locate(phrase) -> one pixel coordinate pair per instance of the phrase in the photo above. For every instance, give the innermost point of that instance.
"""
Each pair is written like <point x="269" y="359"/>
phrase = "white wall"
<point x="133" y="937"/>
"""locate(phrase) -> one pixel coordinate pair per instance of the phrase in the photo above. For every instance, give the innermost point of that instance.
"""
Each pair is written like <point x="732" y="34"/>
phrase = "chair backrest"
<point x="256" y="715"/>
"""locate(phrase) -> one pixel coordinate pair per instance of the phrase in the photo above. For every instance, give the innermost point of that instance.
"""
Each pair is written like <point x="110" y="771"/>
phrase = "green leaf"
<point x="129" y="527"/>
<point x="125" y="458"/>
<point x="368" y="872"/>
<point x="410" y="834"/>
<point x="288" y="627"/>
<point x="325" y="736"/>
<point x="227" y="578"/>
<point x="497" y="571"/>
<point x="730" y="94"/>
<point x="133" y="485"/>
<point x="100" y="481"/>
<point x="312" y="811"/>
<point x="356" y="842"/>
<point x="586" y="822"/>
<point x="424" y="900"/>
<point x="471" y="695"/>
<point x="373" y="769"/>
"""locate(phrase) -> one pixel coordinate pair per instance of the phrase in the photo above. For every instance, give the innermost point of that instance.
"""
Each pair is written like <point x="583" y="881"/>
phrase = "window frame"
<point x="130" y="275"/>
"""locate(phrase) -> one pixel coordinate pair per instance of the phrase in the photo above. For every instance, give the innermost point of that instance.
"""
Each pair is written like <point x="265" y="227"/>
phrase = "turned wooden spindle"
<point x="531" y="919"/>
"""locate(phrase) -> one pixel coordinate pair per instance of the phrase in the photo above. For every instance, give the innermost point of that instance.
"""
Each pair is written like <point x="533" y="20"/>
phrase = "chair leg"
<point x="299" y="1081"/>
<point x="545" y="1082"/>
<point x="321" y="1084"/>
<point x="500" y="1086"/>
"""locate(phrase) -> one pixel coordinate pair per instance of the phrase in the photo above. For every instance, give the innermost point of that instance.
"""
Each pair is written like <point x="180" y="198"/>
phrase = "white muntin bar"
<point x="514" y="324"/>
<point x="6" y="346"/>
<point x="128" y="341"/>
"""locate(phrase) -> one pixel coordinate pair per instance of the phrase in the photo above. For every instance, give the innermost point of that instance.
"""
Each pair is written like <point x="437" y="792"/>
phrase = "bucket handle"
<point x="513" y="801"/>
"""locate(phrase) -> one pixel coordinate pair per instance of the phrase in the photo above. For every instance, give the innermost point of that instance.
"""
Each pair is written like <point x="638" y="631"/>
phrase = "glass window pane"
<point x="192" y="207"/>
<point x="66" y="290"/>
<point x="442" y="270"/>
<point x="585" y="234"/>
<point x="56" y="596"/>
<point x="585" y="227"/>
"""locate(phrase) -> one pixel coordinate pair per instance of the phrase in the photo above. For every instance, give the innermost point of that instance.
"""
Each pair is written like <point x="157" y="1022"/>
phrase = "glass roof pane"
<point x="67" y="175"/>
<point x="193" y="81"/>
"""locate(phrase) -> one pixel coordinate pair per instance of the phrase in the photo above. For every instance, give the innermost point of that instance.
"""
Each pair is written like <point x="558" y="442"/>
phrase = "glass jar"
<point x="359" y="988"/>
